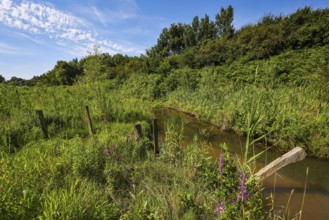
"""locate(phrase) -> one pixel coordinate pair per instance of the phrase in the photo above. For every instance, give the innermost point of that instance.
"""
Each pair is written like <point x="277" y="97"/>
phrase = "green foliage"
<point x="2" y="79"/>
<point x="17" y="81"/>
<point x="38" y="182"/>
<point x="108" y="176"/>
<point x="96" y="66"/>
<point x="207" y="29"/>
<point x="64" y="73"/>
<point x="88" y="159"/>
<point x="224" y="22"/>
<point x="113" y="174"/>
<point x="179" y="37"/>
<point x="201" y="43"/>
<point x="63" y="110"/>
<point x="292" y="101"/>
<point x="217" y="43"/>
<point x="78" y="199"/>
<point x="174" y="137"/>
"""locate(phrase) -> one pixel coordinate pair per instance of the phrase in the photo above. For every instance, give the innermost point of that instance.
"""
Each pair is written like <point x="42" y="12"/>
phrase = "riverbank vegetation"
<point x="275" y="72"/>
<point x="109" y="175"/>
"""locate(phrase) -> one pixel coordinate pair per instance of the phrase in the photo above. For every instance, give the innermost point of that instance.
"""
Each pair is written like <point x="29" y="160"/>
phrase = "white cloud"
<point x="120" y="11"/>
<point x="42" y="19"/>
<point x="101" y="17"/>
<point x="7" y="49"/>
<point x="126" y="9"/>
<point x="5" y="4"/>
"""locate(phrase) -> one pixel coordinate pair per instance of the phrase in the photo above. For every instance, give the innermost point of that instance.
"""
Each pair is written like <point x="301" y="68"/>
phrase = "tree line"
<point x="203" y="42"/>
<point x="221" y="44"/>
<point x="179" y="37"/>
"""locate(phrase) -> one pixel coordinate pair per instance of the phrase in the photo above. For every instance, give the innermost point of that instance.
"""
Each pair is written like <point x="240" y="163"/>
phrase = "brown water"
<point x="291" y="177"/>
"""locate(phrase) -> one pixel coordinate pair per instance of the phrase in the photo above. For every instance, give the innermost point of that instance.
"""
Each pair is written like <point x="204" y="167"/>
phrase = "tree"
<point x="190" y="36"/>
<point x="207" y="29"/>
<point x="117" y="59"/>
<point x="163" y="43"/>
<point x="195" y="24"/>
<point x="176" y="38"/>
<point x="64" y="73"/>
<point x="196" y="27"/>
<point x="224" y="22"/>
<point x="2" y="79"/>
<point x="94" y="68"/>
<point x="17" y="81"/>
<point x="161" y="49"/>
<point x="171" y="41"/>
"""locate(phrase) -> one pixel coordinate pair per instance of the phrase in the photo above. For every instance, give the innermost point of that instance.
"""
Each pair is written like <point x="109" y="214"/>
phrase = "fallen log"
<point x="296" y="154"/>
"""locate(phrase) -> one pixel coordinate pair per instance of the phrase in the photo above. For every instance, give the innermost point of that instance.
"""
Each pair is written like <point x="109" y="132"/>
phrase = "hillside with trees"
<point x="276" y="54"/>
<point x="267" y="81"/>
<point x="202" y="43"/>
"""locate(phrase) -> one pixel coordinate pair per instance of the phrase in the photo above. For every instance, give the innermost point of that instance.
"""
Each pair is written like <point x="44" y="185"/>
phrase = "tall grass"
<point x="289" y="116"/>
<point x="104" y="177"/>
<point x="72" y="176"/>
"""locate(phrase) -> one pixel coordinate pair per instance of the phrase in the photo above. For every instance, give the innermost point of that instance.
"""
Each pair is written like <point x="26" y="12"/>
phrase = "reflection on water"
<point x="316" y="205"/>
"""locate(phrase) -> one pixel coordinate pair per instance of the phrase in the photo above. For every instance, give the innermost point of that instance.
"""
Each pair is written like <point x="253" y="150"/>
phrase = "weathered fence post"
<point x="90" y="126"/>
<point x="42" y="123"/>
<point x="138" y="130"/>
<point x="139" y="133"/>
<point x="292" y="156"/>
<point x="155" y="136"/>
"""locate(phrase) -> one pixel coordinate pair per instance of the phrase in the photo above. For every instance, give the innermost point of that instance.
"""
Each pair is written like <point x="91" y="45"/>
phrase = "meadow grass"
<point x="73" y="176"/>
<point x="105" y="177"/>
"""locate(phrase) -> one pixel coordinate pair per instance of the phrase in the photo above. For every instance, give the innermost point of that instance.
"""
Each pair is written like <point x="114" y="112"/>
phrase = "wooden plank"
<point x="296" y="154"/>
<point x="43" y="123"/>
<point x="89" y="124"/>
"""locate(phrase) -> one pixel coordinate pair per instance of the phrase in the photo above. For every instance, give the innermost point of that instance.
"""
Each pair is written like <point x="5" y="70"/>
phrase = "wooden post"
<point x="138" y="130"/>
<point x="90" y="126"/>
<point x="296" y="154"/>
<point x="155" y="136"/>
<point x="42" y="123"/>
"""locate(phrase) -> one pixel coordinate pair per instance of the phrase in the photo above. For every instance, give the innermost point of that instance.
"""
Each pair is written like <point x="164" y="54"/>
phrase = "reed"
<point x="304" y="193"/>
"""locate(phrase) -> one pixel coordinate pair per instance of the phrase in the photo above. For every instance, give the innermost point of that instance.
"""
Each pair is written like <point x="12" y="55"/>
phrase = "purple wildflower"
<point x="221" y="165"/>
<point x="223" y="205"/>
<point x="220" y="208"/>
<point x="106" y="151"/>
<point x="243" y="193"/>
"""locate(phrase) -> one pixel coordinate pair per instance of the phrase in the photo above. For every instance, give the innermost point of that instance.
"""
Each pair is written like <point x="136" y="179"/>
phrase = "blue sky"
<point x="34" y="35"/>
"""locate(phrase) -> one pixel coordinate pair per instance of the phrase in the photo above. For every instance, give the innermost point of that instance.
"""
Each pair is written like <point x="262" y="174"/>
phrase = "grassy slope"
<point x="107" y="176"/>
<point x="71" y="176"/>
<point x="289" y="92"/>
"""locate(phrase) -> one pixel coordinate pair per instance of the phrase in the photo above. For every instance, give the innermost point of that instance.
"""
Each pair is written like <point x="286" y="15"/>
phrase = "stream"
<point x="281" y="184"/>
